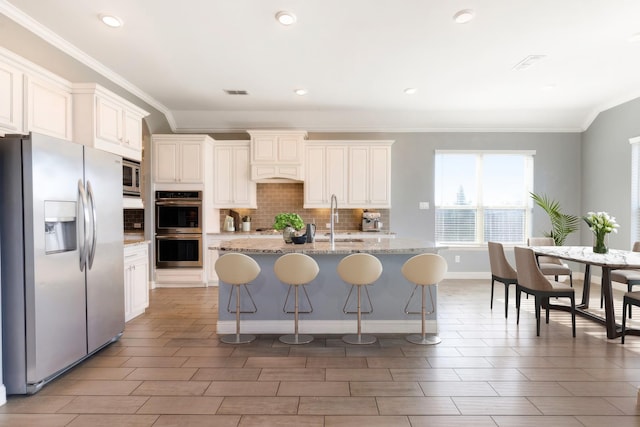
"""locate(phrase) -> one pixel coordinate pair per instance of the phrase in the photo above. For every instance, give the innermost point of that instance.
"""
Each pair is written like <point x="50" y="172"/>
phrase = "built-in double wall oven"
<point x="178" y="229"/>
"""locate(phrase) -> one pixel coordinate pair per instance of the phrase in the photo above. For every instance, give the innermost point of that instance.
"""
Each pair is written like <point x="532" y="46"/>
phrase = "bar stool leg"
<point x="359" y="338"/>
<point x="296" y="338"/>
<point x="237" y="338"/>
<point x="423" y="338"/>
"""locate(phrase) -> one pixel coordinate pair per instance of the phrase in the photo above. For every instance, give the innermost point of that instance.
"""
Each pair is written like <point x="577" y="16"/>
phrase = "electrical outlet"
<point x="423" y="205"/>
<point x="457" y="258"/>
<point x="327" y="225"/>
<point x="137" y="225"/>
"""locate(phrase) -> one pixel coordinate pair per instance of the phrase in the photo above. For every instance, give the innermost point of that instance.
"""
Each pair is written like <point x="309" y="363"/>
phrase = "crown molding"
<point x="58" y="42"/>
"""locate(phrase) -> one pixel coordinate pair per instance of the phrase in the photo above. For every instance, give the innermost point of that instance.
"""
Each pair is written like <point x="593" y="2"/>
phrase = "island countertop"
<point x="322" y="246"/>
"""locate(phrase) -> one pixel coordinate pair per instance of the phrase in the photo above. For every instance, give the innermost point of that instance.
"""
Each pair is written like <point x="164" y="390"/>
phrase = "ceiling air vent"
<point x="236" y="92"/>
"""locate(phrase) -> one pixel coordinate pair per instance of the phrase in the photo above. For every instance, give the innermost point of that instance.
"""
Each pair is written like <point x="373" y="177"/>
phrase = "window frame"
<point x="480" y="208"/>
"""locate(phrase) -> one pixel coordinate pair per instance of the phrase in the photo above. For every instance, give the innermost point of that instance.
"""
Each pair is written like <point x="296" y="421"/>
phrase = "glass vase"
<point x="600" y="243"/>
<point x="287" y="232"/>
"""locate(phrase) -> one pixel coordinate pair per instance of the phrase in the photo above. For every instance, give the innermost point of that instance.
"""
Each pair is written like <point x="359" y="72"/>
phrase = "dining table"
<point x="614" y="259"/>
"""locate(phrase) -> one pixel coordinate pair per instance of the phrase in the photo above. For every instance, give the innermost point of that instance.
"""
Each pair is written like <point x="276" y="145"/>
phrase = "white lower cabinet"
<point x="136" y="280"/>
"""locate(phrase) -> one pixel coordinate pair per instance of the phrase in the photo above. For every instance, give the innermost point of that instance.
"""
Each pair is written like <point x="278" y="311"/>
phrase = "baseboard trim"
<point x="325" y="326"/>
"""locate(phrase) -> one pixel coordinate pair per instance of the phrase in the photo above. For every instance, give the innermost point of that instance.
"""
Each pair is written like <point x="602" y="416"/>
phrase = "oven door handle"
<point x="178" y="203"/>
<point x="178" y="236"/>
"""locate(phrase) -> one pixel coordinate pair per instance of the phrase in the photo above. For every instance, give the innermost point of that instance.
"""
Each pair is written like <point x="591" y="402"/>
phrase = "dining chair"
<point x="629" y="277"/>
<point x="532" y="281"/>
<point x="501" y="271"/>
<point x="629" y="299"/>
<point x="551" y="266"/>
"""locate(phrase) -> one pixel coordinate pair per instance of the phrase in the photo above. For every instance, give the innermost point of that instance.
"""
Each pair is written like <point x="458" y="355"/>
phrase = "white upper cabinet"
<point x="233" y="187"/>
<point x="370" y="176"/>
<point x="48" y="107"/>
<point x="179" y="159"/>
<point x="11" y="95"/>
<point x="325" y="174"/>
<point x="106" y="121"/>
<point x="277" y="154"/>
<point x="33" y="99"/>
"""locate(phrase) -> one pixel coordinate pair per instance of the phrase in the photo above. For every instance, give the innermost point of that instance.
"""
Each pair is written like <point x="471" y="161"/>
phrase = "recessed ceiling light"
<point x="111" y="20"/>
<point x="463" y="16"/>
<point x="634" y="38"/>
<point x="301" y="92"/>
<point x="410" y="90"/>
<point x="286" y="18"/>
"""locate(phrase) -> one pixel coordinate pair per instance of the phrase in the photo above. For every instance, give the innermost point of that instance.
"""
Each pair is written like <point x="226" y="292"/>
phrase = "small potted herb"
<point x="288" y="223"/>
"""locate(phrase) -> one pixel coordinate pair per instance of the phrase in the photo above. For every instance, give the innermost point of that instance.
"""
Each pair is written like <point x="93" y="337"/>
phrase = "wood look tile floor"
<point x="170" y="369"/>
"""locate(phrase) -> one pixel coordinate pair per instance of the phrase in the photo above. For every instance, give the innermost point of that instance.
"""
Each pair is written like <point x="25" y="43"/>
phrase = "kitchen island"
<point x="327" y="291"/>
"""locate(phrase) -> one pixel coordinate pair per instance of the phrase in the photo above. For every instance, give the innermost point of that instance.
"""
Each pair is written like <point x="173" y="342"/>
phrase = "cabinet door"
<point x="48" y="108"/>
<point x="264" y="148"/>
<point x="336" y="174"/>
<point x="222" y="186"/>
<point x="140" y="285"/>
<point x="128" y="283"/>
<point x="10" y="99"/>
<point x="244" y="190"/>
<point x="166" y="164"/>
<point x="314" y="180"/>
<point x="132" y="130"/>
<point x="190" y="162"/>
<point x="289" y="149"/>
<point x="212" y="257"/>
<point x="108" y="121"/>
<point x="379" y="176"/>
<point x="358" y="176"/>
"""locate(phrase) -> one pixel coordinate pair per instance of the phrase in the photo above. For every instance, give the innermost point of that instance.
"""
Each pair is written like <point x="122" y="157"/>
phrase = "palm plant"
<point x="561" y="224"/>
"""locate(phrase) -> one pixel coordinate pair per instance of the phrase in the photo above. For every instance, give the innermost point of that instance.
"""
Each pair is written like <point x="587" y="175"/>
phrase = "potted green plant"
<point x="561" y="224"/>
<point x="288" y="223"/>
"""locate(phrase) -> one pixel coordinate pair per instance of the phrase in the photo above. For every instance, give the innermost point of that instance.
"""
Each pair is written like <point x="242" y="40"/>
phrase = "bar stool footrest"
<point x="359" y="339"/>
<point x="237" y="338"/>
<point x="296" y="339"/>
<point x="423" y="340"/>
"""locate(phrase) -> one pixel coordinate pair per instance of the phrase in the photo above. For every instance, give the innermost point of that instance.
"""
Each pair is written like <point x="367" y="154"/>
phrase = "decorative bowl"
<point x="298" y="240"/>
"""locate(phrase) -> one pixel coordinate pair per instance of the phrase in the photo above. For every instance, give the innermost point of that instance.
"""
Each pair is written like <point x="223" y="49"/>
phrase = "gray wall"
<point x="606" y="169"/>
<point x="557" y="166"/>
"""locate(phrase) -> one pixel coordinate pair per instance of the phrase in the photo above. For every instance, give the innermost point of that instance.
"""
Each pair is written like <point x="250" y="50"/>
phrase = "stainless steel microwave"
<point x="131" y="178"/>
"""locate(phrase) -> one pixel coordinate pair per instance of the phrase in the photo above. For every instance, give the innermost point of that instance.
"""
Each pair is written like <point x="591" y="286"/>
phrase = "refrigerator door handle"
<point x="82" y="199"/>
<point x="94" y="225"/>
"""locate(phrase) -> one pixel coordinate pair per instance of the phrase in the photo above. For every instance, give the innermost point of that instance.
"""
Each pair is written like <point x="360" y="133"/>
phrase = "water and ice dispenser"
<point x="60" y="225"/>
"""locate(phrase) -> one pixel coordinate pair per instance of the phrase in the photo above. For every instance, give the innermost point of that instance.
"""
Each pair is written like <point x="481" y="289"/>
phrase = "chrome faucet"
<point x="334" y="219"/>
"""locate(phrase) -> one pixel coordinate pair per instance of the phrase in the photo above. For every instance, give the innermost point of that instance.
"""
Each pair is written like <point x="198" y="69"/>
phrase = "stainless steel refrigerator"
<point x="62" y="256"/>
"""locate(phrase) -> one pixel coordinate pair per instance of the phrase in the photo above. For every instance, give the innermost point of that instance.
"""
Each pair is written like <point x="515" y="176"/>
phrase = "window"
<point x="483" y="196"/>
<point x="635" y="188"/>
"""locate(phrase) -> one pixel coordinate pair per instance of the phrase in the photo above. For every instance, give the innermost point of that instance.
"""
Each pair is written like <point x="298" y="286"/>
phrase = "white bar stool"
<point x="424" y="270"/>
<point x="237" y="270"/>
<point x="359" y="270"/>
<point x="296" y="270"/>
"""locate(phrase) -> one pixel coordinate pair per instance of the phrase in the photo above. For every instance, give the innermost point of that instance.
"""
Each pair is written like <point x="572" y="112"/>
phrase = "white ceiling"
<point x="355" y="57"/>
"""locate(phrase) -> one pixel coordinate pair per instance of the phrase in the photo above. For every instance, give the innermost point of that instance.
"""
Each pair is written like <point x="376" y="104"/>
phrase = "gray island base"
<point x="327" y="292"/>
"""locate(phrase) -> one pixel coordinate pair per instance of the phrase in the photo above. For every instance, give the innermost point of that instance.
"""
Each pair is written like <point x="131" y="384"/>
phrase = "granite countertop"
<point x="319" y="233"/>
<point x="342" y="246"/>
<point x="134" y="238"/>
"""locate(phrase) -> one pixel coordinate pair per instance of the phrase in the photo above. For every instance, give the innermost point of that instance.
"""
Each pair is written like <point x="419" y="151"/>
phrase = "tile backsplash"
<point x="289" y="197"/>
<point x="133" y="217"/>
